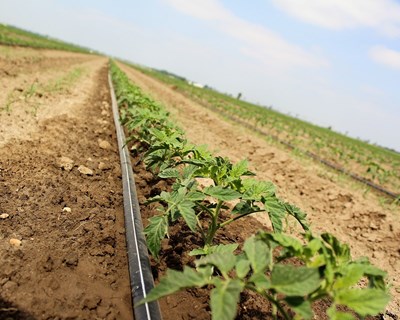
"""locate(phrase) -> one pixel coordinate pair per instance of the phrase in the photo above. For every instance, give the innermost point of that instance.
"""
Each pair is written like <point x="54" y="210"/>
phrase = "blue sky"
<point x="332" y="62"/>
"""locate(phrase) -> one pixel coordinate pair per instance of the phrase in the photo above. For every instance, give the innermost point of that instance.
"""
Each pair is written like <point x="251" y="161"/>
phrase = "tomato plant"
<point x="263" y="263"/>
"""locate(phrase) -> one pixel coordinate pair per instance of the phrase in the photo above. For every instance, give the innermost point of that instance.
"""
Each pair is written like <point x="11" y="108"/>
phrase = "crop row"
<point x="377" y="164"/>
<point x="291" y="271"/>
<point x="13" y="36"/>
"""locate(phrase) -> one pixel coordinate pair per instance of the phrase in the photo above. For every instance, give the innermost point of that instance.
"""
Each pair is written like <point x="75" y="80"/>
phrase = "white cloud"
<point x="381" y="15"/>
<point x="385" y="56"/>
<point x="255" y="41"/>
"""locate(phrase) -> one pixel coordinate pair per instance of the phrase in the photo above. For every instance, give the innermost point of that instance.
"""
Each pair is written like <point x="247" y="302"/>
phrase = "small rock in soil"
<point x="103" y="144"/>
<point x="85" y="170"/>
<point x="10" y="285"/>
<point x="92" y="302"/>
<point x="4" y="216"/>
<point x="102" y="311"/>
<point x="48" y="264"/>
<point x="15" y="242"/>
<point x="66" y="163"/>
<point x="67" y="209"/>
<point x="71" y="260"/>
<point x="104" y="166"/>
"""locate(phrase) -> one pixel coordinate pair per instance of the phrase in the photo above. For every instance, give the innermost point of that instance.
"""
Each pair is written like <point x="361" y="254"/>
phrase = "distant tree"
<point x="239" y="96"/>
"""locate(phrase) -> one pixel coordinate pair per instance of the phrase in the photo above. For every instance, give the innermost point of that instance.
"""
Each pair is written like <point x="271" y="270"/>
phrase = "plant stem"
<point x="214" y="224"/>
<point x="276" y="306"/>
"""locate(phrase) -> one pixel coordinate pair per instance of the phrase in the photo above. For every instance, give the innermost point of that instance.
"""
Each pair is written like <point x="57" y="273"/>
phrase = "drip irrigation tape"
<point x="141" y="277"/>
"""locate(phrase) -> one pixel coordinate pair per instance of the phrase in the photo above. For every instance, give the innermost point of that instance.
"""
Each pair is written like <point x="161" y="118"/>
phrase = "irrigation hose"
<point x="141" y="278"/>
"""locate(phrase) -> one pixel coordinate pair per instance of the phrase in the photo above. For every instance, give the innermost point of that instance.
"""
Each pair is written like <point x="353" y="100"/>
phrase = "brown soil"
<point x="62" y="238"/>
<point x="332" y="205"/>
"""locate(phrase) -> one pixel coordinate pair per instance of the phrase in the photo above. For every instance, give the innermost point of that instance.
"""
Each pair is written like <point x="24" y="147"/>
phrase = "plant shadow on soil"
<point x="9" y="311"/>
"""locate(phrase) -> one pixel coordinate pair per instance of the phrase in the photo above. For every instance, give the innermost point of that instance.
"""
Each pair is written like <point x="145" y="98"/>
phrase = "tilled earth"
<point x="62" y="238"/>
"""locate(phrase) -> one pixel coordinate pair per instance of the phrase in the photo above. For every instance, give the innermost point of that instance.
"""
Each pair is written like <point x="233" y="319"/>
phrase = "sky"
<point x="331" y="62"/>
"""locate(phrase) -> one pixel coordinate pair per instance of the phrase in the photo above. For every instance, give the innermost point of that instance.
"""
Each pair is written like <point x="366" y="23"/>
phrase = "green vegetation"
<point x="376" y="164"/>
<point x="291" y="272"/>
<point x="14" y="36"/>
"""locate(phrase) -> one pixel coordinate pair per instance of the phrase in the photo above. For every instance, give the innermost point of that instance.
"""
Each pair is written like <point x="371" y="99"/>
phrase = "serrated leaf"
<point x="175" y="281"/>
<point x="276" y="211"/>
<point x="299" y="215"/>
<point x="261" y="281"/>
<point x="244" y="207"/>
<point x="351" y="274"/>
<point x="224" y="299"/>
<point x="256" y="190"/>
<point x="220" y="193"/>
<point x="155" y="232"/>
<point x="285" y="241"/>
<point x="258" y="254"/>
<point x="195" y="196"/>
<point x="242" y="268"/>
<point x="300" y="306"/>
<point x="294" y="281"/>
<point x="223" y="261"/>
<point x="169" y="173"/>
<point x="340" y="251"/>
<point x="363" y="301"/>
<point x="240" y="169"/>
<point x="187" y="212"/>
<point x="221" y="248"/>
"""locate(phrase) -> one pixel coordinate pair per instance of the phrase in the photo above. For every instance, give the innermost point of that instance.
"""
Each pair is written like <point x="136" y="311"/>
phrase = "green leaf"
<point x="198" y="252"/>
<point x="256" y="190"/>
<point x="223" y="261"/>
<point x="195" y="196"/>
<point x="363" y="301"/>
<point x="258" y="254"/>
<point x="338" y="315"/>
<point x="169" y="173"/>
<point x="155" y="232"/>
<point x="300" y="306"/>
<point x="224" y="194"/>
<point x="224" y="299"/>
<point x="261" y="281"/>
<point x="351" y="274"/>
<point x="221" y="248"/>
<point x="340" y="251"/>
<point x="240" y="168"/>
<point x="285" y="241"/>
<point x="175" y="281"/>
<point x="276" y="211"/>
<point x="187" y="212"/>
<point x="299" y="215"/>
<point x="242" y="268"/>
<point x="294" y="281"/>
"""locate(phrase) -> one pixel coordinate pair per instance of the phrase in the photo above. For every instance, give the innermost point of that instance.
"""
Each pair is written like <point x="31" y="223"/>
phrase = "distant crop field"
<point x="10" y="35"/>
<point x="371" y="162"/>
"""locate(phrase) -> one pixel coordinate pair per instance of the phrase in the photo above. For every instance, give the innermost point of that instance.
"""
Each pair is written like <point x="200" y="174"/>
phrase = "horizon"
<point x="340" y="71"/>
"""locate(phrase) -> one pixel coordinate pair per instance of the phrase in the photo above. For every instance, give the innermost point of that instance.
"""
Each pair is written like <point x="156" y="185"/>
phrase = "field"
<point x="62" y="223"/>
<point x="376" y="164"/>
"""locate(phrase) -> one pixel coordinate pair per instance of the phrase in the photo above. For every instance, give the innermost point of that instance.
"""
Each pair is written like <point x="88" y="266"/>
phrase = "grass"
<point x="37" y="89"/>
<point x="13" y="36"/>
